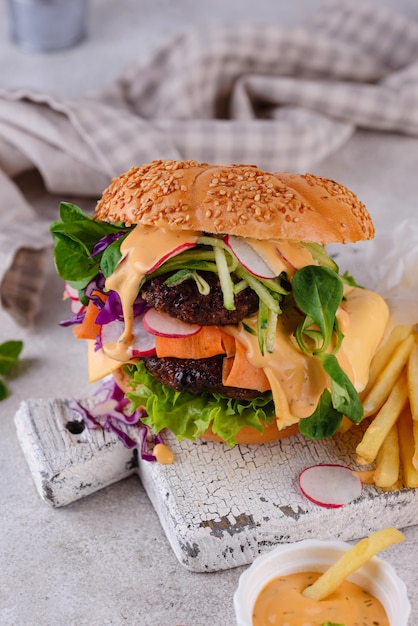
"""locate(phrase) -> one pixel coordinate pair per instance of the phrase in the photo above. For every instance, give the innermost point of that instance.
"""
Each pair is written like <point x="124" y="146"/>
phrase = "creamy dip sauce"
<point x="281" y="603"/>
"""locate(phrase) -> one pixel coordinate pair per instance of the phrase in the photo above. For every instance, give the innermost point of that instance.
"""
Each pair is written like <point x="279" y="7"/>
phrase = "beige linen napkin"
<point x="281" y="98"/>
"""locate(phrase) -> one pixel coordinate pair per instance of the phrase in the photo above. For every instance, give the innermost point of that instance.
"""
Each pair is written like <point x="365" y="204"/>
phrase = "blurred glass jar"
<point x="48" y="25"/>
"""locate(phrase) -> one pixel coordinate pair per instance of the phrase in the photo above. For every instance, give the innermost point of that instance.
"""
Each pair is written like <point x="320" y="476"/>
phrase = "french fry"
<point x="407" y="449"/>
<point x="350" y="561"/>
<point x="387" y="461"/>
<point x="380" y="426"/>
<point x="366" y="476"/>
<point x="384" y="353"/>
<point x="361" y="461"/>
<point x="415" y="436"/>
<point x="388" y="377"/>
<point x="412" y="372"/>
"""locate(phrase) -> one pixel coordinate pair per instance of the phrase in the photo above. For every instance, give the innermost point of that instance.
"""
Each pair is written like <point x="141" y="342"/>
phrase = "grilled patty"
<point x="186" y="303"/>
<point x="195" y="376"/>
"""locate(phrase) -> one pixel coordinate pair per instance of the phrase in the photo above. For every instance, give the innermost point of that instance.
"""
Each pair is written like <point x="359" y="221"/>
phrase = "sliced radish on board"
<point x="171" y="252"/>
<point x="143" y="342"/>
<point x="330" y="485"/>
<point x="248" y="257"/>
<point x="163" y="325"/>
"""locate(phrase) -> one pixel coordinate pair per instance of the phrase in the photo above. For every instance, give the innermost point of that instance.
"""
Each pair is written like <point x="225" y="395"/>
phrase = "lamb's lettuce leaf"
<point x="318" y="292"/>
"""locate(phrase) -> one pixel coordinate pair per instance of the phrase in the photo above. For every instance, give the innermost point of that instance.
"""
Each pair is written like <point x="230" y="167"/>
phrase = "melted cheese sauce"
<point x="297" y="380"/>
<point x="281" y="603"/>
<point x="142" y="249"/>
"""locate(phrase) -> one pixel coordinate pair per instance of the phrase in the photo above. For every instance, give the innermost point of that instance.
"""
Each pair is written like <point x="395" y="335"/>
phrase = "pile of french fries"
<point x="390" y="400"/>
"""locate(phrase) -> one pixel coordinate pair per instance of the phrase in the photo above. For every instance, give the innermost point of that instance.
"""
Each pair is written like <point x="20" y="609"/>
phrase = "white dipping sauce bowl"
<point x="376" y="576"/>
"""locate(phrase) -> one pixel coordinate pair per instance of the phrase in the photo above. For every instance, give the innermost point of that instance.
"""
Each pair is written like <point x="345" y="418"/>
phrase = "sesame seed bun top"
<point x="236" y="199"/>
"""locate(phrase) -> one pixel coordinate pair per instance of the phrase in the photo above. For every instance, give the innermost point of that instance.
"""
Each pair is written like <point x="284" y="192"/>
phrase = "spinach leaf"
<point x="110" y="258"/>
<point x="9" y="354"/>
<point x="71" y="213"/>
<point x="72" y="263"/>
<point x="3" y="391"/>
<point x="75" y="236"/>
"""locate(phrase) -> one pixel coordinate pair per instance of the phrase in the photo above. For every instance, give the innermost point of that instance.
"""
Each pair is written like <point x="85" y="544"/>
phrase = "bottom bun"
<point x="250" y="435"/>
<point x="245" y="435"/>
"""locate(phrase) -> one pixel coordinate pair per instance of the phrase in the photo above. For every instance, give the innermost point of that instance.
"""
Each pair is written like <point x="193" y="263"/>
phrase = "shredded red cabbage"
<point x="112" y="309"/>
<point x="94" y="287"/>
<point x="104" y="242"/>
<point x="112" y="411"/>
<point x="78" y="318"/>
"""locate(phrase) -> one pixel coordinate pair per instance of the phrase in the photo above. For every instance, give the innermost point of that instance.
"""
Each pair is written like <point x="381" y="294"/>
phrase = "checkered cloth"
<point x="282" y="98"/>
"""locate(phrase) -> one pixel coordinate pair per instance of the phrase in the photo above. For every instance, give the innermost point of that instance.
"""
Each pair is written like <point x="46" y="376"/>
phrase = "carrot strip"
<point x="238" y="372"/>
<point x="209" y="341"/>
<point x="88" y="329"/>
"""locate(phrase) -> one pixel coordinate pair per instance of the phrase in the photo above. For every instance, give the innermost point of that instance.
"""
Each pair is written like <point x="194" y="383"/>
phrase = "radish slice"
<point x="167" y="255"/>
<point x="71" y="292"/>
<point x="109" y="333"/>
<point x="163" y="325"/>
<point x="76" y="306"/>
<point x="143" y="343"/>
<point x="330" y="486"/>
<point x="248" y="257"/>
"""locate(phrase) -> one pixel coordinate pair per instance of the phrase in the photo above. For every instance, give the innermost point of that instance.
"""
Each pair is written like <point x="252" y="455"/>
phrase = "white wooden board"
<point x="219" y="507"/>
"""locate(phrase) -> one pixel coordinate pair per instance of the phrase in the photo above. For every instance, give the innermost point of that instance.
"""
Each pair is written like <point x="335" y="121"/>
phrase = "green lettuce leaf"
<point x="188" y="416"/>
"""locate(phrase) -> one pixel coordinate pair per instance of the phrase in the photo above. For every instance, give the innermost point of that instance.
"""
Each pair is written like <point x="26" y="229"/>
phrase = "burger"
<point x="206" y="291"/>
